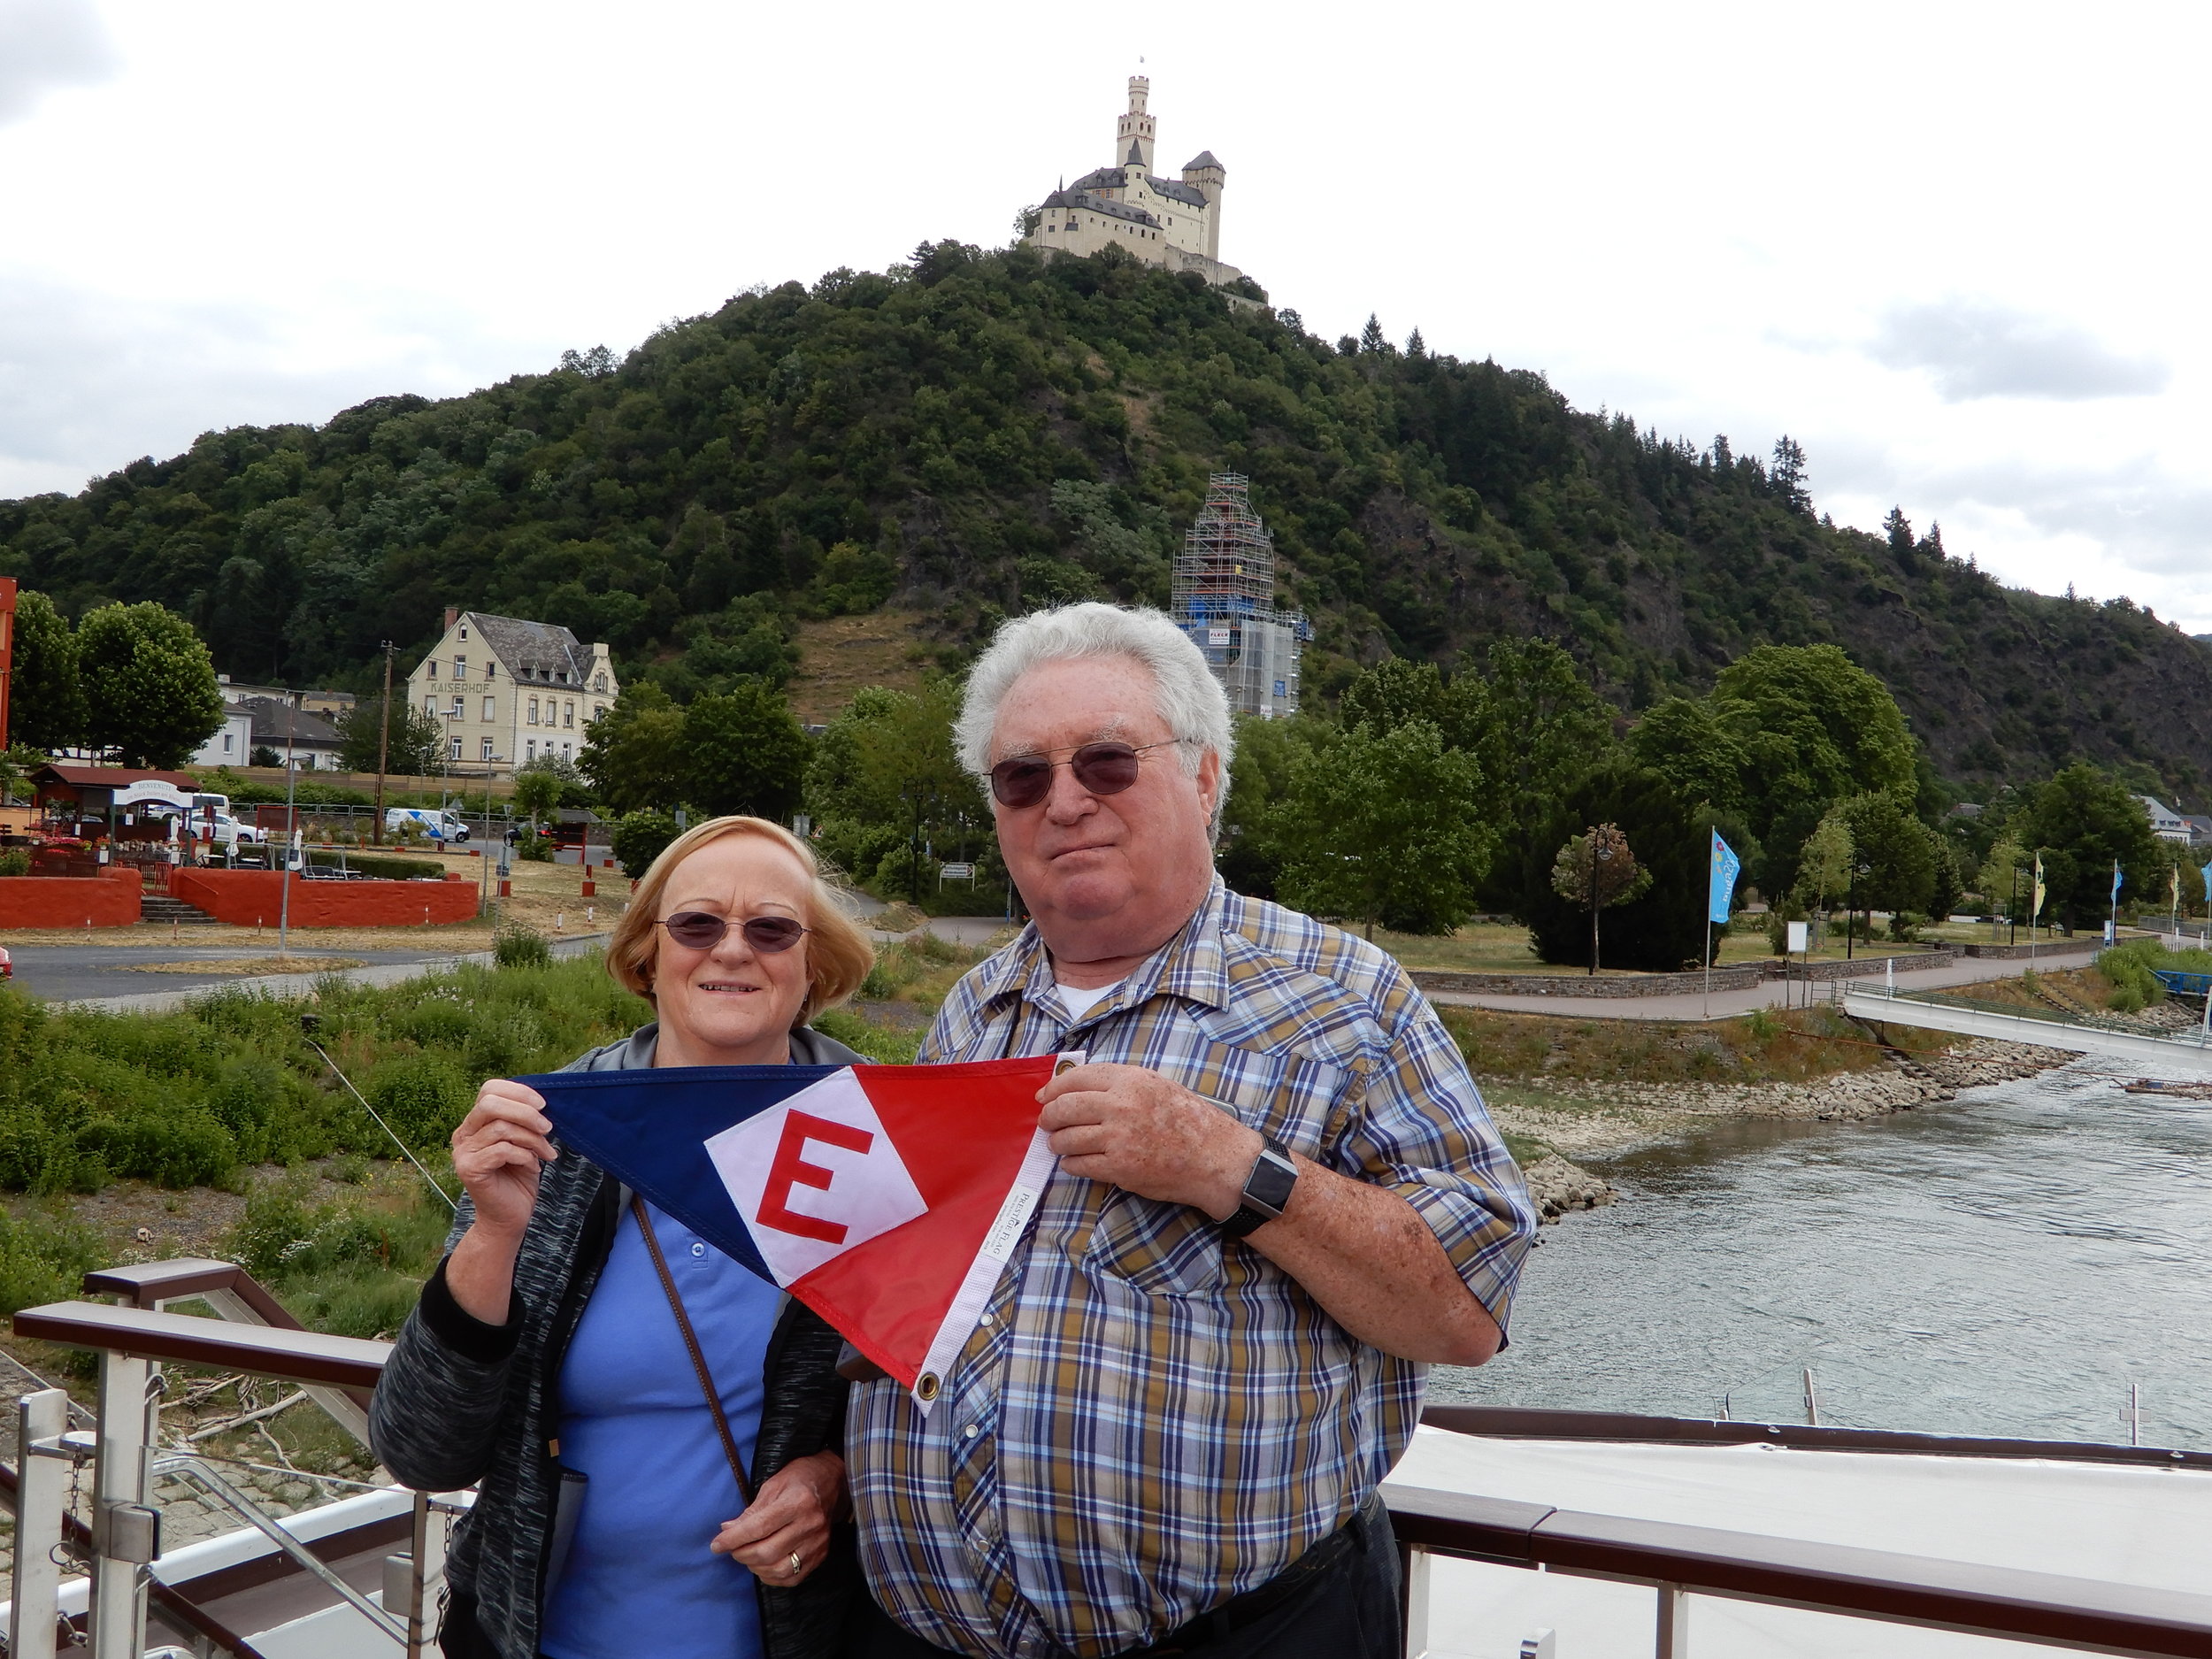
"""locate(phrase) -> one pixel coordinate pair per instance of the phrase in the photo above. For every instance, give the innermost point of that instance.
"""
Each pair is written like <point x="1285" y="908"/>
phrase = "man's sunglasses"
<point x="1101" y="768"/>
<point x="702" y="930"/>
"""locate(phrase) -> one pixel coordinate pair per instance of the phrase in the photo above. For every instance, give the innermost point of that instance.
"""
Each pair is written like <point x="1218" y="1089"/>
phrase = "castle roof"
<point x="1135" y="157"/>
<point x="1107" y="205"/>
<point x="1175" y="190"/>
<point x="1204" y="158"/>
<point x="1117" y="178"/>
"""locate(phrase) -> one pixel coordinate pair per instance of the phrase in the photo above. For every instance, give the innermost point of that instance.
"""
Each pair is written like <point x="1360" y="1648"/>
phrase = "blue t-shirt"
<point x="633" y="1420"/>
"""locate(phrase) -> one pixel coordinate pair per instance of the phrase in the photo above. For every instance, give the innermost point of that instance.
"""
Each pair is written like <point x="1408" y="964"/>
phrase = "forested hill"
<point x="972" y="433"/>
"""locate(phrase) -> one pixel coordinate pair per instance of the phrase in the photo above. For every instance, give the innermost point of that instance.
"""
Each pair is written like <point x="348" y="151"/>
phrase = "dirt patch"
<point x="839" y="656"/>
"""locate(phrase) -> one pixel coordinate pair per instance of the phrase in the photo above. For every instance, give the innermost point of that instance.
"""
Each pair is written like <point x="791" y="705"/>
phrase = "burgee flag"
<point x="887" y="1198"/>
<point x="1725" y="867"/>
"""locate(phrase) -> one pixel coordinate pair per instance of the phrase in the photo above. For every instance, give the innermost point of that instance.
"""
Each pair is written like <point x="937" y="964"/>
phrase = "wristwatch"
<point x="1266" y="1190"/>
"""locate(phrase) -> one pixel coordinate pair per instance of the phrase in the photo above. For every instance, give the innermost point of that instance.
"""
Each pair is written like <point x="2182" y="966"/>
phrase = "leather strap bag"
<point x="691" y="1346"/>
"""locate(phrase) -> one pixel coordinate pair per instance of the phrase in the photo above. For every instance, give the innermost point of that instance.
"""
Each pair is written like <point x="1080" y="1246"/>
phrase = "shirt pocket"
<point x="1166" y="1249"/>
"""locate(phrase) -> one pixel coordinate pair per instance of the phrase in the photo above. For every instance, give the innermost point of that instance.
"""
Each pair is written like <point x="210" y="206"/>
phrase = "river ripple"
<point x="2007" y="1263"/>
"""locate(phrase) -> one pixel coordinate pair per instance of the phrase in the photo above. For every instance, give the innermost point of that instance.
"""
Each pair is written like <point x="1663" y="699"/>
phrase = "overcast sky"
<point x="1957" y="251"/>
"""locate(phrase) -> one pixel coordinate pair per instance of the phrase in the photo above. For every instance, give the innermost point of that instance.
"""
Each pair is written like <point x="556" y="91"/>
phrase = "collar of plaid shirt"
<point x="1150" y="1419"/>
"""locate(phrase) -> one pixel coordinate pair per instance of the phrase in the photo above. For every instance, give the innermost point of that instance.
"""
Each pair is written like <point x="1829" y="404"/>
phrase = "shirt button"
<point x="971" y="1431"/>
<point x="698" y="1250"/>
<point x="988" y="1321"/>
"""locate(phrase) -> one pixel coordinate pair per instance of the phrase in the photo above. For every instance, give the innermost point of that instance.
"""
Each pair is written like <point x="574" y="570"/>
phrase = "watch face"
<point x="1269" y="1186"/>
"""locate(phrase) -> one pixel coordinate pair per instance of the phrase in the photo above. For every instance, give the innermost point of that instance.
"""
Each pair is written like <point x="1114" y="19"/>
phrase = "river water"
<point x="2006" y="1263"/>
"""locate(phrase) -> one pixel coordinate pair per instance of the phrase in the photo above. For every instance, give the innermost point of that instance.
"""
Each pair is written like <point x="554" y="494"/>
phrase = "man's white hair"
<point x="1190" y="700"/>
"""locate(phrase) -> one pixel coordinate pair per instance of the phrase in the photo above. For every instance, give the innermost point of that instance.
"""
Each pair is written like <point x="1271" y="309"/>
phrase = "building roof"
<point x="109" y="777"/>
<point x="1107" y="205"/>
<point x="537" y="651"/>
<point x="274" y="722"/>
<point x="1203" y="158"/>
<point x="1175" y="190"/>
<point x="1135" y="157"/>
<point x="1101" y="178"/>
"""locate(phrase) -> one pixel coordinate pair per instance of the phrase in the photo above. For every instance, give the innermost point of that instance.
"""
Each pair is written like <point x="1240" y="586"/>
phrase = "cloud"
<point x="46" y="45"/>
<point x="1976" y="348"/>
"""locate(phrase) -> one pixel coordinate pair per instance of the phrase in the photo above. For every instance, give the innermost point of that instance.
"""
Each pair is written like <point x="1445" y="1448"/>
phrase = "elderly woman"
<point x="548" y="1362"/>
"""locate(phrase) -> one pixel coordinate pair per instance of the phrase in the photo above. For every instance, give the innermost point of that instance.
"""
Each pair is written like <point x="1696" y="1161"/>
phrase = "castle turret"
<point x="1134" y="128"/>
<point x="1206" y="175"/>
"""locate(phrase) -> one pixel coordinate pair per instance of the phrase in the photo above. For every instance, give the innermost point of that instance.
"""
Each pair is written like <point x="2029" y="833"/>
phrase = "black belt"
<point x="1255" y="1604"/>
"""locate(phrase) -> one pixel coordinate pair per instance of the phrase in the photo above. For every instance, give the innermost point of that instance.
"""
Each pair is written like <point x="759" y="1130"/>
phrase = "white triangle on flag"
<point x="815" y="1176"/>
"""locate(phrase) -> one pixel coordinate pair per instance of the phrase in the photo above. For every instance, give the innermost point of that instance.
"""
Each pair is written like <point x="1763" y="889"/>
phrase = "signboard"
<point x="1799" y="940"/>
<point x="955" y="872"/>
<point x="1217" y="636"/>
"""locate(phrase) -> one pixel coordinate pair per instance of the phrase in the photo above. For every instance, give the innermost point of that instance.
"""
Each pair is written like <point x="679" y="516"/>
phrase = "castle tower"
<point x="1206" y="175"/>
<point x="1135" y="127"/>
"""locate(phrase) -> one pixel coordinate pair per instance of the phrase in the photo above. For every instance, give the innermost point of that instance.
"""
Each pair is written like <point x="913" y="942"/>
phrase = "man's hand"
<point x="789" y="1516"/>
<point x="1140" y="1132"/>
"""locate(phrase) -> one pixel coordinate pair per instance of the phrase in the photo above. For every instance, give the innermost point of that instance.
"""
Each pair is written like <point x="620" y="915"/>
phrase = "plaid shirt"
<point x="1150" y="1419"/>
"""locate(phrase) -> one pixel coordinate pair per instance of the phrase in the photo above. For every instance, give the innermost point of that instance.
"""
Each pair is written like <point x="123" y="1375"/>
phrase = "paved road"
<point x="1769" y="993"/>
<point x="101" y="976"/>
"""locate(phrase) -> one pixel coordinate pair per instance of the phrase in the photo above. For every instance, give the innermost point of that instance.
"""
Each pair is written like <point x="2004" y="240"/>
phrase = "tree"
<point x="1789" y="475"/>
<point x="1387" y="827"/>
<point x="2082" y="821"/>
<point x="1897" y="858"/>
<point x="46" y="706"/>
<point x="149" y="687"/>
<point x="1662" y="928"/>
<point x="885" y="783"/>
<point x="634" y="754"/>
<point x="1684" y="741"/>
<point x="1897" y="529"/>
<point x="1999" y="875"/>
<point x="416" y="740"/>
<point x="640" y="837"/>
<point x="1371" y="341"/>
<point x="1268" y="754"/>
<point x="1598" y="870"/>
<point x="743" y="752"/>
<point x="538" y="788"/>
<point x="1823" y="864"/>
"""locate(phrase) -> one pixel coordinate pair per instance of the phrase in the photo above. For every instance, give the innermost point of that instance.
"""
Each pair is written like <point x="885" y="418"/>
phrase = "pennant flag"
<point x="1726" y="865"/>
<point x="2207" y="873"/>
<point x="2117" y="878"/>
<point x="2037" y="910"/>
<point x="887" y="1198"/>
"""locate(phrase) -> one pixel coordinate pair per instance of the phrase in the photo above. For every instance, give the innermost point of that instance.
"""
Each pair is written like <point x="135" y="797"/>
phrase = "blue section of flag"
<point x="2207" y="873"/>
<point x="649" y="1130"/>
<point x="2117" y="878"/>
<point x="1726" y="867"/>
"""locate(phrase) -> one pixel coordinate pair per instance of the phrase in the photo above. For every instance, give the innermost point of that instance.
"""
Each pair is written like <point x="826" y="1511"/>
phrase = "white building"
<point x="232" y="745"/>
<point x="1171" y="222"/>
<point x="506" y="692"/>
<point x="2166" y="824"/>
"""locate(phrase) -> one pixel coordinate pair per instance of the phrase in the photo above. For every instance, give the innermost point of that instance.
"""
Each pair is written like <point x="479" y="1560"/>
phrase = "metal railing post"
<point x="41" y="1480"/>
<point x="123" y="1541"/>
<point x="1673" y="1637"/>
<point x="1418" y="1563"/>
<point x="432" y="1527"/>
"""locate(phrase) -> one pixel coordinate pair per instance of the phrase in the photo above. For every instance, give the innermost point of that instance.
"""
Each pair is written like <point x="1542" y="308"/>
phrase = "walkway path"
<point x="1767" y="994"/>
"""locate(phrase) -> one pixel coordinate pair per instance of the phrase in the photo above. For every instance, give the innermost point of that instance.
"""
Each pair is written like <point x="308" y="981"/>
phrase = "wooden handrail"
<point x="301" y="1356"/>
<point x="2003" y="1602"/>
<point x="143" y="1284"/>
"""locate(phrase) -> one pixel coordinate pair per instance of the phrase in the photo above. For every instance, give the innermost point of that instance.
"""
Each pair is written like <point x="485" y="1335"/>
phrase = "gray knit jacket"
<point x="463" y="1403"/>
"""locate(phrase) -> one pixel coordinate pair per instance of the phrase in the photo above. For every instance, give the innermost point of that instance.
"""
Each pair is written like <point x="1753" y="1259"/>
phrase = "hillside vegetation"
<point x="970" y="435"/>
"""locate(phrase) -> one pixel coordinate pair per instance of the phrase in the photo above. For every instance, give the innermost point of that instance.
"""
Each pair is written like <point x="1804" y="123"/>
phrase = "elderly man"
<point x="1280" y="1199"/>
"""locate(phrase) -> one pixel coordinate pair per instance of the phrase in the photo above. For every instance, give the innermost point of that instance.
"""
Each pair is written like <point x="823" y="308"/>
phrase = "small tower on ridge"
<point x="1135" y="126"/>
<point x="1206" y="176"/>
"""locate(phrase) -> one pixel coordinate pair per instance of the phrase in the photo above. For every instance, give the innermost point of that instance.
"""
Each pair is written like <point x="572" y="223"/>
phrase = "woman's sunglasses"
<point x="1101" y="768"/>
<point x="701" y="929"/>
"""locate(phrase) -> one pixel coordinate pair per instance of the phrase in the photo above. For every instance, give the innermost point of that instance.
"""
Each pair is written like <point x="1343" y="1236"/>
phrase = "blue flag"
<point x="887" y="1198"/>
<point x="2117" y="878"/>
<point x="2207" y="873"/>
<point x="1726" y="867"/>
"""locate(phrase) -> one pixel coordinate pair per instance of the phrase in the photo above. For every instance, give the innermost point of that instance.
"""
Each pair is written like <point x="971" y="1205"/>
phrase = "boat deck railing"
<point x="1678" y="1562"/>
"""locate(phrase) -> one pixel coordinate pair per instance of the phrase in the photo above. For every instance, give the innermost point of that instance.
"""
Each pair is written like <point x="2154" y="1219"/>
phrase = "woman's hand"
<point x="497" y="1152"/>
<point x="789" y="1516"/>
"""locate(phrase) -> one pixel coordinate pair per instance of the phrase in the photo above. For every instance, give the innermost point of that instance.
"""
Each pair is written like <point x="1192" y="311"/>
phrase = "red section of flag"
<point x="962" y="1132"/>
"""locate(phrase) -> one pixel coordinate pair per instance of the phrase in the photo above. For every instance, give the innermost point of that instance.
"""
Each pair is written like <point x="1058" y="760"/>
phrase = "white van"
<point x="439" y="826"/>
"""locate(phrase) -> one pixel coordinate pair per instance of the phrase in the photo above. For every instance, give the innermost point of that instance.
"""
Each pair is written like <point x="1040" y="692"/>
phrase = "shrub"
<point x="15" y="861"/>
<point x="421" y="1096"/>
<point x="514" y="946"/>
<point x="45" y="1261"/>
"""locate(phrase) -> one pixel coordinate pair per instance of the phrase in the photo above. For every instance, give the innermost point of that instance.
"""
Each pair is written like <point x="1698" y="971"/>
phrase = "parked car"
<point x="438" y="825"/>
<point x="7" y="963"/>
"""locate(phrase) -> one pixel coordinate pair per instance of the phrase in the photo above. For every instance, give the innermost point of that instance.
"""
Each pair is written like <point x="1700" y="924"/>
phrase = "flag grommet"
<point x="1065" y="1065"/>
<point x="926" y="1386"/>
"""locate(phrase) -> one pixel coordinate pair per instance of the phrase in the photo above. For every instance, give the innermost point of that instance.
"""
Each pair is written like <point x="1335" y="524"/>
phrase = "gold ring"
<point x="797" y="1563"/>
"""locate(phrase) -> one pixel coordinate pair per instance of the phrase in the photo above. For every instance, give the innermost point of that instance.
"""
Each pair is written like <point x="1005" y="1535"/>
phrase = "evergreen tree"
<point x="1372" y="342"/>
<point x="1789" y="475"/>
<point x="1897" y="529"/>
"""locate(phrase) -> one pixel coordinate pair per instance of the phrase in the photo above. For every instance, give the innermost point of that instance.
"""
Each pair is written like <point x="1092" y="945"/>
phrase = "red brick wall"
<point x="109" y="900"/>
<point x="249" y="898"/>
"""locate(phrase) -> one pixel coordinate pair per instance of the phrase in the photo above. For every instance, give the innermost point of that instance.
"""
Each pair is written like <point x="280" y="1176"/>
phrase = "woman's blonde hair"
<point x="839" y="955"/>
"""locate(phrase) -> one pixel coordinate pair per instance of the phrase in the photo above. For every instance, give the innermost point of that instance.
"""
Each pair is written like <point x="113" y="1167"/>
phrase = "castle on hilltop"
<point x="1161" y="221"/>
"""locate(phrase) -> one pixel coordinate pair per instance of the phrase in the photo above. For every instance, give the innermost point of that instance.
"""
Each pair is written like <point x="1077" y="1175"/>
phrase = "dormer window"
<point x="465" y="630"/>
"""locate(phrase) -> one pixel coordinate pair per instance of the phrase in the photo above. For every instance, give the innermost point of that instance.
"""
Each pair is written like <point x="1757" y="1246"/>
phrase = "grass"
<point x="1503" y="947"/>
<point x="1767" y="1046"/>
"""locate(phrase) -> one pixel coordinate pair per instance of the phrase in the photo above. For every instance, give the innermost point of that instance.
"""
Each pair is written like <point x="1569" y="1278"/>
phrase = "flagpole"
<point x="1709" y="966"/>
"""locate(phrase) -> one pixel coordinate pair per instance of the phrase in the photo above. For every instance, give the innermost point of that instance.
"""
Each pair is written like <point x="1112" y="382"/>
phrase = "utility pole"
<point x="291" y="821"/>
<point x="383" y="750"/>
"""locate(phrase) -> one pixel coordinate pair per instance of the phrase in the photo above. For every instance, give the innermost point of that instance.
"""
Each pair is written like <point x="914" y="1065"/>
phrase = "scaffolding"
<point x="1223" y="598"/>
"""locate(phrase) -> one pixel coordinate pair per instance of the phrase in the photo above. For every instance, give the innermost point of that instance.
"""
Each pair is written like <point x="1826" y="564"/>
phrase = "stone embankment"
<point x="1558" y="1186"/>
<point x="1576" y="1118"/>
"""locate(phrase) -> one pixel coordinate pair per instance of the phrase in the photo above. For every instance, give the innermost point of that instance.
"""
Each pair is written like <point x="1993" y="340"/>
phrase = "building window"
<point x="430" y="707"/>
<point x="530" y="749"/>
<point x="491" y="669"/>
<point x="533" y="711"/>
<point x="459" y="709"/>
<point x="491" y="708"/>
<point x="433" y="667"/>
<point x="460" y="668"/>
<point x="599" y="684"/>
<point x="487" y="748"/>
<point x="568" y="714"/>
<point x="566" y="748"/>
<point x="597" y="709"/>
<point x="227" y="738"/>
<point x="456" y="749"/>
<point x="465" y="630"/>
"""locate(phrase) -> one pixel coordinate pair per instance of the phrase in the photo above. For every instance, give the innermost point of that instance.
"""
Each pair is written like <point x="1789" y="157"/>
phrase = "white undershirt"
<point x="1080" y="1003"/>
